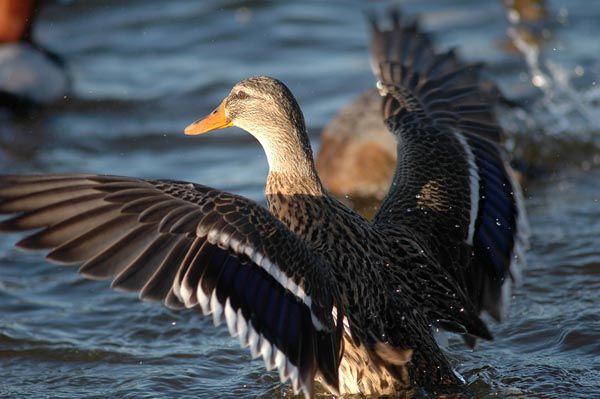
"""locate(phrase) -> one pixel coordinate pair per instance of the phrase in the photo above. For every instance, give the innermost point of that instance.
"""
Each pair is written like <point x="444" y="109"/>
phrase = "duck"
<point x="356" y="158"/>
<point x="321" y="293"/>
<point x="30" y="75"/>
<point x="357" y="154"/>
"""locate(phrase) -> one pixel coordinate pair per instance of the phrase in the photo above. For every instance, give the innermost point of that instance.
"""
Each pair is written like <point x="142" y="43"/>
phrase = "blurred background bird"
<point x="29" y="73"/>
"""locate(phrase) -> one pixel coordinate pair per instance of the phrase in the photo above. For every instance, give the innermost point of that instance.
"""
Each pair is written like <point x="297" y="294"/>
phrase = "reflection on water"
<point x="143" y="69"/>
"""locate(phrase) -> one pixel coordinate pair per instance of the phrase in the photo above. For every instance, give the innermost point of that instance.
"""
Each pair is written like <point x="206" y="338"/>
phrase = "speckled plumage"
<point x="308" y="284"/>
<point x="392" y="290"/>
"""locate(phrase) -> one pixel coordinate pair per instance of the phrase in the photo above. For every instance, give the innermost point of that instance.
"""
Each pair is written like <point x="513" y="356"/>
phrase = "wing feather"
<point x="38" y="199"/>
<point x="52" y="214"/>
<point x="135" y="276"/>
<point x="452" y="177"/>
<point x="161" y="282"/>
<point x="189" y="246"/>
<point x="73" y="227"/>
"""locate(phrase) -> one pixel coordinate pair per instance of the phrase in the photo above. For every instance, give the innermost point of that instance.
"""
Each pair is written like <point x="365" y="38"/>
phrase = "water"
<point x="142" y="71"/>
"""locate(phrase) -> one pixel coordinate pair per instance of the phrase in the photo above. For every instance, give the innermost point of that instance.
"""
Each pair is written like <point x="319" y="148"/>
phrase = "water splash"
<point x="562" y="109"/>
<point x="559" y="122"/>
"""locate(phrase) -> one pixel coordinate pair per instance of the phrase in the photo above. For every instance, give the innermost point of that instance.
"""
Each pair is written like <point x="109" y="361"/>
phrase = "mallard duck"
<point x="357" y="155"/>
<point x="29" y="74"/>
<point x="318" y="291"/>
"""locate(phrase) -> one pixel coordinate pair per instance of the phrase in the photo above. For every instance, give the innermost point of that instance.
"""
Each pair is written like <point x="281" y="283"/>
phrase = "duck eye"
<point x="241" y="95"/>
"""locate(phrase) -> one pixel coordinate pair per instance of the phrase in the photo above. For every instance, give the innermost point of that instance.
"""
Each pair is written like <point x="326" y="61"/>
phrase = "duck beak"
<point x="216" y="120"/>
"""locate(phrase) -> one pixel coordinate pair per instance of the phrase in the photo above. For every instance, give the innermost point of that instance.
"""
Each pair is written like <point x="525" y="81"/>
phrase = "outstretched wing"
<point x="191" y="246"/>
<point x="452" y="184"/>
<point x="442" y="77"/>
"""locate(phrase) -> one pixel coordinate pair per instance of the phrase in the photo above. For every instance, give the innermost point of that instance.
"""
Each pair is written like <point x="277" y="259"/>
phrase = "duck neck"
<point x="293" y="191"/>
<point x="292" y="170"/>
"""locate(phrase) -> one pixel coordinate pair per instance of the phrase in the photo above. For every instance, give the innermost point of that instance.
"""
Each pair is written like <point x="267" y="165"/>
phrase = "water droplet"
<point x="539" y="81"/>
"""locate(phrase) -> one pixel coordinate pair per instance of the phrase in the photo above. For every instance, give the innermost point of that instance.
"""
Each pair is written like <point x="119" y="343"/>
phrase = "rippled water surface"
<point x="141" y="70"/>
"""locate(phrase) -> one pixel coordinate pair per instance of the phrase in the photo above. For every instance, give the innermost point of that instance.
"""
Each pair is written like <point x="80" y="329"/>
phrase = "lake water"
<point x="142" y="70"/>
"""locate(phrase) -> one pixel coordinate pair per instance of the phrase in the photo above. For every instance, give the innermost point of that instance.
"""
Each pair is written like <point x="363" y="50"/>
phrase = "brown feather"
<point x="86" y="246"/>
<point x="158" y="285"/>
<point x="52" y="214"/>
<point x="68" y="229"/>
<point x="119" y="255"/>
<point x="136" y="275"/>
<point x="37" y="200"/>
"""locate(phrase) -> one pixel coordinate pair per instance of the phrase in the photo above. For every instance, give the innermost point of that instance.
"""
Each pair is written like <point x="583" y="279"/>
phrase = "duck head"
<point x="262" y="106"/>
<point x="265" y="108"/>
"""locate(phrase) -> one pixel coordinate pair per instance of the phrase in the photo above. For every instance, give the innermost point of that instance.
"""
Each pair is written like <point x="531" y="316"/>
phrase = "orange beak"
<point x="216" y="120"/>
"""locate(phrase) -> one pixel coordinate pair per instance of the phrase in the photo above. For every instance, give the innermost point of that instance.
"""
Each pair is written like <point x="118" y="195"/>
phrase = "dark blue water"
<point x="142" y="70"/>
